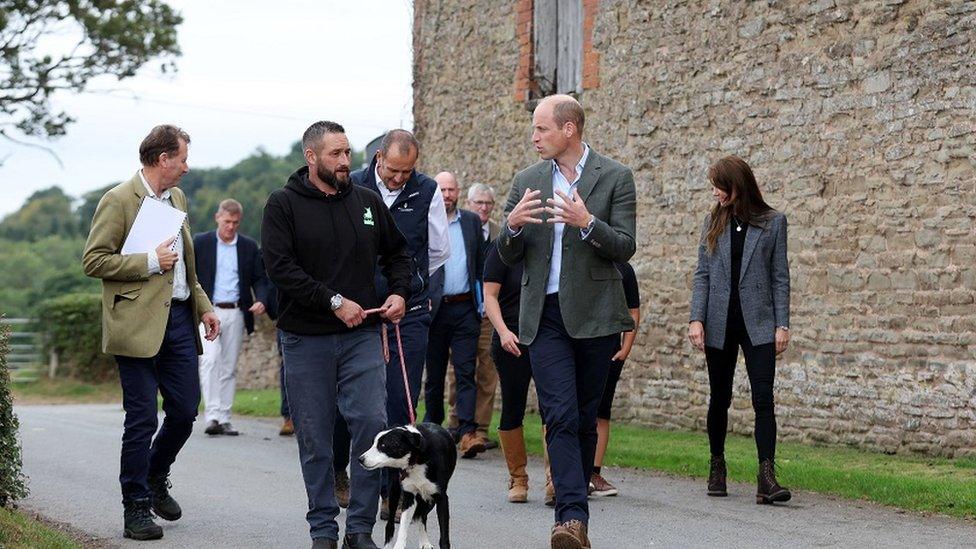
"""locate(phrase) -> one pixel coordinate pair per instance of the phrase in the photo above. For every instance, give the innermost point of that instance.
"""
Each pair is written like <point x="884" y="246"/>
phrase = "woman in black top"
<point x="503" y="286"/>
<point x="599" y="486"/>
<point x="741" y="299"/>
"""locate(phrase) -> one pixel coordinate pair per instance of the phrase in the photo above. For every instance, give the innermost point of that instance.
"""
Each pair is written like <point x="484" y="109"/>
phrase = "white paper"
<point x="155" y="223"/>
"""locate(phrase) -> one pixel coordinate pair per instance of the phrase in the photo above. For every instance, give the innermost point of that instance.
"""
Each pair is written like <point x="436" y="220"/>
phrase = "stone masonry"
<point x="858" y="119"/>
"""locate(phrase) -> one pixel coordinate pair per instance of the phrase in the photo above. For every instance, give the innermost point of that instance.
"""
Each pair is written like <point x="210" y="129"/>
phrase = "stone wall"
<point x="858" y="119"/>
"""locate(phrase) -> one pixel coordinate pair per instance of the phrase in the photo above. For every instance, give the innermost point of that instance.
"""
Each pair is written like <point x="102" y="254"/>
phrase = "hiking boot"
<point x="342" y="488"/>
<point x="138" y="521"/>
<point x="769" y="491"/>
<point x="213" y="428"/>
<point x="716" y="477"/>
<point x="471" y="445"/>
<point x="385" y="510"/>
<point x="601" y="488"/>
<point x="228" y="429"/>
<point x="569" y="535"/>
<point x="358" y="541"/>
<point x="287" y="429"/>
<point x="163" y="504"/>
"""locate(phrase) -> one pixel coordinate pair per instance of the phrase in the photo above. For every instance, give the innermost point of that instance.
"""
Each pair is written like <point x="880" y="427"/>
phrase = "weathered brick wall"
<point x="858" y="119"/>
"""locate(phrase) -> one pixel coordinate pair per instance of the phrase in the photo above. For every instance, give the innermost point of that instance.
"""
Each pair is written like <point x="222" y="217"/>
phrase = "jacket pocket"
<point x="127" y="292"/>
<point x="605" y="273"/>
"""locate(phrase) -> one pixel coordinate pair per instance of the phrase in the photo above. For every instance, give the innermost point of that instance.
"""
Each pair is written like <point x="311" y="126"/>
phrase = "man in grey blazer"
<point x="572" y="300"/>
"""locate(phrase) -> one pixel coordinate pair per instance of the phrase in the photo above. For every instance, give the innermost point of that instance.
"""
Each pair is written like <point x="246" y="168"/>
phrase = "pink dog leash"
<point x="403" y="364"/>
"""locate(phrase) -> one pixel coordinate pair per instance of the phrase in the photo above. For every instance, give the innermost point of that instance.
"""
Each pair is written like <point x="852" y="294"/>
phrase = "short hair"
<point x="314" y="134"/>
<point x="164" y="138"/>
<point x="403" y="139"/>
<point x="230" y="206"/>
<point x="569" y="110"/>
<point x="481" y="188"/>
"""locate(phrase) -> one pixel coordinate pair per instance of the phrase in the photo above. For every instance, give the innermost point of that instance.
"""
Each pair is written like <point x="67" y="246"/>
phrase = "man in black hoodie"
<point x="321" y="237"/>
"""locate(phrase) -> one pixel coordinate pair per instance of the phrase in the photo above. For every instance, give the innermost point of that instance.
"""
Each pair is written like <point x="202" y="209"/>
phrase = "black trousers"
<point x="454" y="333"/>
<point x="514" y="375"/>
<point x="173" y="372"/>
<point x="761" y="368"/>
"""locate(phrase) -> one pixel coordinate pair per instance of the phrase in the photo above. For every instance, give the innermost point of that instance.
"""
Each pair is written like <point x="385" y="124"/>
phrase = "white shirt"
<point x="181" y="290"/>
<point x="226" y="279"/>
<point x="438" y="240"/>
<point x="559" y="183"/>
<point x="485" y="230"/>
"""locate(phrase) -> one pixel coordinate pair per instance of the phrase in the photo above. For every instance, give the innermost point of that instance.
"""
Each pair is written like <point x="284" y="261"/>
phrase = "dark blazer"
<point x="591" y="294"/>
<point x="764" y="282"/>
<point x="250" y="271"/>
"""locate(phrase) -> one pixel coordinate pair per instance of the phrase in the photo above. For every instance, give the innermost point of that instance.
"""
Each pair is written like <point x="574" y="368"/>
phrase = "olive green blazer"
<point x="591" y="293"/>
<point x="135" y="304"/>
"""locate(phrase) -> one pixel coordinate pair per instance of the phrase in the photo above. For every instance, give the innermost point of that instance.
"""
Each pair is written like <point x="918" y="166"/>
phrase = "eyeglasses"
<point x="483" y="203"/>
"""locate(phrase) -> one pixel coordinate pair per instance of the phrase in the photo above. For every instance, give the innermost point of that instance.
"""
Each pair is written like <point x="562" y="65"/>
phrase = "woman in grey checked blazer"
<point x="741" y="298"/>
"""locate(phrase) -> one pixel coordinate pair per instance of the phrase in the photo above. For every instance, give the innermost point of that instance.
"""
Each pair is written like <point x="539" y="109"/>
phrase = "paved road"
<point x="247" y="492"/>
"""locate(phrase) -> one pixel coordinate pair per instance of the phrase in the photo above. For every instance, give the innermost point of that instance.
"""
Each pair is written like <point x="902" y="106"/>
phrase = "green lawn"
<point x="18" y="531"/>
<point x="917" y="483"/>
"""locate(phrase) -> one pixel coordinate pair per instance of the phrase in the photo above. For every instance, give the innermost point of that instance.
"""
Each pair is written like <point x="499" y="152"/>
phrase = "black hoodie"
<point x="317" y="245"/>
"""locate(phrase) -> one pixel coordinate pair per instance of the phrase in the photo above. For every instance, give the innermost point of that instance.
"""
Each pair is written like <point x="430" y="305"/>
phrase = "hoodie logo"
<point x="368" y="217"/>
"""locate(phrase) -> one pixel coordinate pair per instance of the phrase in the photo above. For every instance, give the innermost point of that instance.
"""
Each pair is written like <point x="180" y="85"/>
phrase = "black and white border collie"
<point x="426" y="456"/>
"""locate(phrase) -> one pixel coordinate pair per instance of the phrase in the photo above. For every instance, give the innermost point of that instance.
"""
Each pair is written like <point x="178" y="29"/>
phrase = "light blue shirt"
<point x="456" y="268"/>
<point x="226" y="281"/>
<point x="559" y="183"/>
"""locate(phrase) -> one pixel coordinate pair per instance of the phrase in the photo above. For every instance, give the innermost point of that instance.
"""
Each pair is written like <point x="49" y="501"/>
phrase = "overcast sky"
<point x="252" y="74"/>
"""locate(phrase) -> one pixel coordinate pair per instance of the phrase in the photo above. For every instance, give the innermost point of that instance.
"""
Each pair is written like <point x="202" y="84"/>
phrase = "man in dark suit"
<point x="455" y="328"/>
<point x="230" y="267"/>
<point x="572" y="302"/>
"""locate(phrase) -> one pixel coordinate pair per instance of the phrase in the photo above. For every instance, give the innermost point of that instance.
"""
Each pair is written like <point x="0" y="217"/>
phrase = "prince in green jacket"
<point x="572" y="302"/>
<point x="151" y="307"/>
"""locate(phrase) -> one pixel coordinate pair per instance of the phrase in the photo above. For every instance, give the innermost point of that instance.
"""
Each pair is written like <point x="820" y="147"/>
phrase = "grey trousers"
<point x="322" y="372"/>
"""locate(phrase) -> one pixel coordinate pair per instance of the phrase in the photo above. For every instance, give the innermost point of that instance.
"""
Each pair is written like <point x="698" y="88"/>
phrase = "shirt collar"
<point x="231" y="243"/>
<point x="384" y="190"/>
<point x="457" y="216"/>
<point x="579" y="165"/>
<point x="145" y="183"/>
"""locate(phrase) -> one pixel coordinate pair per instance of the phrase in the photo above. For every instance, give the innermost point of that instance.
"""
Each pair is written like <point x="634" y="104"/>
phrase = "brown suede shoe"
<point x="471" y="445"/>
<point x="287" y="428"/>
<point x="569" y="535"/>
<point x="342" y="488"/>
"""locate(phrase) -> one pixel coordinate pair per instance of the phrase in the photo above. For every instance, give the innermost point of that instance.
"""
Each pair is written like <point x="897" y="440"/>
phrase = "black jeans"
<point x="761" y="368"/>
<point x="514" y="375"/>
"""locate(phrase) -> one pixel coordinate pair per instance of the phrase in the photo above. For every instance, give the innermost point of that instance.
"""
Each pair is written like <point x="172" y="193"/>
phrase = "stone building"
<point x="858" y="118"/>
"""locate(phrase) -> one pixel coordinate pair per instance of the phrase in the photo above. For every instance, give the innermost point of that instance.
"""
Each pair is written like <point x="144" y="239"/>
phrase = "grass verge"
<point x="18" y="530"/>
<point x="65" y="391"/>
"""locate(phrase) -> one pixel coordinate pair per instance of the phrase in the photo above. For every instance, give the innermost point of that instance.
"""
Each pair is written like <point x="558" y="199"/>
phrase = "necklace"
<point x="738" y="226"/>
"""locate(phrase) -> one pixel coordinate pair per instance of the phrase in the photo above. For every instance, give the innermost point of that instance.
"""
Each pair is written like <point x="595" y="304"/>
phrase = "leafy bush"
<point x="12" y="481"/>
<point x="73" y="323"/>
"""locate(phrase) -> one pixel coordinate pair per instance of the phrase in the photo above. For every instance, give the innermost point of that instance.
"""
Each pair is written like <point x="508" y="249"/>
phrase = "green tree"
<point x="45" y="213"/>
<point x="97" y="37"/>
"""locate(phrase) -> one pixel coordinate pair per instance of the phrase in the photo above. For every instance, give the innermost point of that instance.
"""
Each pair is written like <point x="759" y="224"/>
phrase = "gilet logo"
<point x="368" y="217"/>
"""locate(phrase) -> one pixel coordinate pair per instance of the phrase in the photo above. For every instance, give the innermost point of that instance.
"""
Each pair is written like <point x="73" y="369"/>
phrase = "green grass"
<point x="20" y="531"/>
<point x="918" y="483"/>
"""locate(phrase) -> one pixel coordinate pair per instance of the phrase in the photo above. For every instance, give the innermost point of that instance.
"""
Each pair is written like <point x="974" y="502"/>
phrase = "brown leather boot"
<point x="769" y="491"/>
<point x="550" y="499"/>
<point x="716" y="477"/>
<point x="471" y="445"/>
<point x="513" y="446"/>
<point x="569" y="535"/>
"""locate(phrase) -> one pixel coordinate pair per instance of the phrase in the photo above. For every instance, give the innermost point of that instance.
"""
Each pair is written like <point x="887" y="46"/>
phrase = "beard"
<point x="338" y="179"/>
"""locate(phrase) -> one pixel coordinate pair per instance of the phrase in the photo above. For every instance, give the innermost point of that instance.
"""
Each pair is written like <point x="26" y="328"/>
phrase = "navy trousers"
<point x="413" y="333"/>
<point x="454" y="333"/>
<point x="285" y="412"/>
<point x="569" y="374"/>
<point x="174" y="373"/>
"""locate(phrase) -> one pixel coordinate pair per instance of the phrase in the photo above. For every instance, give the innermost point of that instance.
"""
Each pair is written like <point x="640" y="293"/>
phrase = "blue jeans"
<point x="323" y="372"/>
<point x="454" y="333"/>
<point x="570" y="375"/>
<point x="281" y="380"/>
<point x="173" y="372"/>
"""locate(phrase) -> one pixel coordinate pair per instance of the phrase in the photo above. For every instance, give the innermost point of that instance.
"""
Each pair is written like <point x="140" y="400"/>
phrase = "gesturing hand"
<point x="351" y="314"/>
<point x="569" y="210"/>
<point x="526" y="210"/>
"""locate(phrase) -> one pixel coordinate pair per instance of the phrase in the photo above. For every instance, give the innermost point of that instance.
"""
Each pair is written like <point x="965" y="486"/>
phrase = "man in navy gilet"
<point x="418" y="209"/>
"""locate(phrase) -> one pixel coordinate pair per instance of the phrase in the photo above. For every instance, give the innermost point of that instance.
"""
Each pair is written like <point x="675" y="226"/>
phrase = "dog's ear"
<point x="419" y="455"/>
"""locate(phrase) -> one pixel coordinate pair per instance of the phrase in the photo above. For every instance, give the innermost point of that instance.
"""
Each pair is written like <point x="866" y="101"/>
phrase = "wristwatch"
<point x="589" y="226"/>
<point x="787" y="328"/>
<point x="335" y="302"/>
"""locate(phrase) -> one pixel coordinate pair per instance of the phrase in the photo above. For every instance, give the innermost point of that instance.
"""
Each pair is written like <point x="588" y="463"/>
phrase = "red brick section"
<point x="591" y="59"/>
<point x="523" y="31"/>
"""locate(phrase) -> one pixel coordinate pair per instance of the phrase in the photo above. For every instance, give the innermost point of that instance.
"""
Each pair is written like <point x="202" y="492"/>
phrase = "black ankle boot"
<point x="769" y="491"/>
<point x="716" y="477"/>
<point x="358" y="541"/>
<point x="138" y="521"/>
<point x="163" y="504"/>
